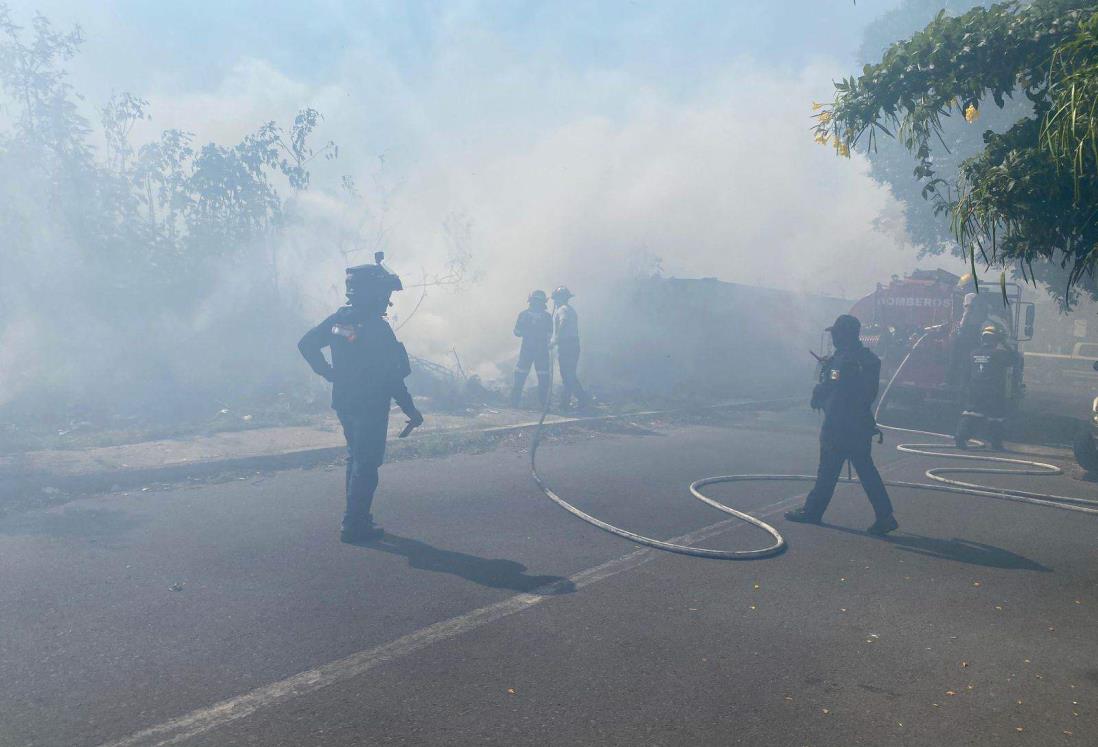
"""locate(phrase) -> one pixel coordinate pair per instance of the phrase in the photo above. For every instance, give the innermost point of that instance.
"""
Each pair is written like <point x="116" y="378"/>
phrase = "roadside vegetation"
<point x="1024" y="200"/>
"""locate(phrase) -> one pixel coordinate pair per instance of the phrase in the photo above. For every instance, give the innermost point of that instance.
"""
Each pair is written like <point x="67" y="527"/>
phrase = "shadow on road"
<point x="496" y="573"/>
<point x="959" y="550"/>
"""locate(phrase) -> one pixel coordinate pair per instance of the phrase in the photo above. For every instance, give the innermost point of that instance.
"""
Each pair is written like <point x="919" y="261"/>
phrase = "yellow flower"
<point x="971" y="113"/>
<point x="816" y="106"/>
<point x="821" y="138"/>
<point x="824" y="117"/>
<point x="844" y="150"/>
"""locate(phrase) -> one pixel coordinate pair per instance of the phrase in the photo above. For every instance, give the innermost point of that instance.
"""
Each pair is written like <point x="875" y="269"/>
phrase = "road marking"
<point x="206" y="719"/>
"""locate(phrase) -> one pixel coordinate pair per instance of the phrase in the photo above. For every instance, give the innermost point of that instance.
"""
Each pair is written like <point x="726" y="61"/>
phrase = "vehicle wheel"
<point x="1086" y="450"/>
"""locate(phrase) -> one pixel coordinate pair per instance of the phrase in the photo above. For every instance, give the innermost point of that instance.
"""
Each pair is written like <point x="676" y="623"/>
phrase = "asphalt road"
<point x="230" y="614"/>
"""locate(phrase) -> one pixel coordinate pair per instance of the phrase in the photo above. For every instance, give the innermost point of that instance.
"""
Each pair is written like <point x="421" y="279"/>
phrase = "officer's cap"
<point x="846" y="323"/>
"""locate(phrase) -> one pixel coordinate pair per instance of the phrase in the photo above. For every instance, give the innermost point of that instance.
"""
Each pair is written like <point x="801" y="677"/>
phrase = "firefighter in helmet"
<point x="566" y="339"/>
<point x="986" y="394"/>
<point x="966" y="337"/>
<point x="535" y="326"/>
<point x="367" y="371"/>
<point x="848" y="384"/>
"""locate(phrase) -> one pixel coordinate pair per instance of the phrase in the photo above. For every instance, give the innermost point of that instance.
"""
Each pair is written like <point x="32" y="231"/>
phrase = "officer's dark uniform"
<point x="849" y="381"/>
<point x="986" y="400"/>
<point x="367" y="372"/>
<point x="535" y="326"/>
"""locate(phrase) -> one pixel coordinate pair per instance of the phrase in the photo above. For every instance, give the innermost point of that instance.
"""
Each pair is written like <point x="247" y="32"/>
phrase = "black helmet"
<point x="372" y="280"/>
<point x="539" y="296"/>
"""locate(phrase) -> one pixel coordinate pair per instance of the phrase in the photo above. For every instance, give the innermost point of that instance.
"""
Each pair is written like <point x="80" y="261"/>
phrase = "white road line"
<point x="206" y="719"/>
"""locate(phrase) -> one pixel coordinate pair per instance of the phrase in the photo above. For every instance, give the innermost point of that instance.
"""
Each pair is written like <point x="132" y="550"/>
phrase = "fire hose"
<point x="941" y="484"/>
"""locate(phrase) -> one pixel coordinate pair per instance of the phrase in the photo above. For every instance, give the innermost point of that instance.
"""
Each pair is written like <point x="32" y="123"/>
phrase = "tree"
<point x="130" y="240"/>
<point x="1027" y="199"/>
<point x="890" y="163"/>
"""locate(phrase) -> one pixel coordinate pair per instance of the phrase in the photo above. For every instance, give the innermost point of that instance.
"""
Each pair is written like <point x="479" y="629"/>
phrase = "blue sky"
<point x="192" y="44"/>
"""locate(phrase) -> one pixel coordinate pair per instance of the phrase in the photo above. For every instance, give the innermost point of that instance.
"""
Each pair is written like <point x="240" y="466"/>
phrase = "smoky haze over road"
<point x="972" y="622"/>
<point x="182" y="187"/>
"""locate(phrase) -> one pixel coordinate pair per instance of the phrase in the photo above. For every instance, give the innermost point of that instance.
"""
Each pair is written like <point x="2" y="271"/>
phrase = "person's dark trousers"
<point x="974" y="424"/>
<point x="568" y="355"/>
<point x="833" y="455"/>
<point x="995" y="428"/>
<point x="365" y="434"/>
<point x="539" y="359"/>
<point x="966" y="429"/>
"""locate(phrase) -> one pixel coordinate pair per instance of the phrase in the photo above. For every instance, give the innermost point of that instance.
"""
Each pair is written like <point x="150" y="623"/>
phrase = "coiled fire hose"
<point x="948" y="485"/>
<point x="941" y="484"/>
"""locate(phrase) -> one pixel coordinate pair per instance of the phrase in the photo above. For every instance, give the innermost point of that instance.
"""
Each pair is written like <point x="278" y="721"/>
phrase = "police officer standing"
<point x="535" y="326"/>
<point x="566" y="339"/>
<point x="986" y="392"/>
<point x="849" y="381"/>
<point x="367" y="372"/>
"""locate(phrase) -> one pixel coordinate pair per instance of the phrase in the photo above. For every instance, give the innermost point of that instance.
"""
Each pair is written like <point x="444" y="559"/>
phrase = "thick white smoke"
<point x="531" y="168"/>
<point x="726" y="182"/>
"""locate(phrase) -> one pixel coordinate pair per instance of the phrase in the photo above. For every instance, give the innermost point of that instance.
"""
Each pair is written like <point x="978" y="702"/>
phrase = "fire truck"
<point x="927" y="305"/>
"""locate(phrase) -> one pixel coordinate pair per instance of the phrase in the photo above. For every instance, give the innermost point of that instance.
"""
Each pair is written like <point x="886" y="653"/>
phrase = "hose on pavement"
<point x="940" y="483"/>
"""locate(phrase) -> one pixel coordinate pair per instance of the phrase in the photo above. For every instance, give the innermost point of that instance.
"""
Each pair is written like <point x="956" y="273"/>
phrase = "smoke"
<point x="726" y="184"/>
<point x="723" y="183"/>
<point x="521" y="169"/>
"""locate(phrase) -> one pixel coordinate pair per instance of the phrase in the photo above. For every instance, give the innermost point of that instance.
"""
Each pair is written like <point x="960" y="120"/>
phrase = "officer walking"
<point x="535" y="326"/>
<point x="566" y="339"/>
<point x="849" y="381"/>
<point x="986" y="393"/>
<point x="367" y="372"/>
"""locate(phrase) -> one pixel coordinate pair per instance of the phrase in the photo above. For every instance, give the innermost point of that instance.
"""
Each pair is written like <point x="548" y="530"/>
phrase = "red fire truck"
<point x="930" y="302"/>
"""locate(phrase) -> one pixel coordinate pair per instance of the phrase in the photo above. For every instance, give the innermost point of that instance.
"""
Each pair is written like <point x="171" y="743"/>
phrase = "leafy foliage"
<point x="132" y="242"/>
<point x="1018" y="202"/>
<point x="890" y="162"/>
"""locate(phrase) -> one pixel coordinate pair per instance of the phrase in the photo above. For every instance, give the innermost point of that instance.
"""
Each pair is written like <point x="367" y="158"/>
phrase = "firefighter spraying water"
<point x="534" y="327"/>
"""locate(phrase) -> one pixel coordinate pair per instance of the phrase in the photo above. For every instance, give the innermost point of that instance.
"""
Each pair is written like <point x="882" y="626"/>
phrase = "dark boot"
<point x="543" y="391"/>
<point x="995" y="428"/>
<point x="801" y="516"/>
<point x="566" y="401"/>
<point x="357" y="530"/>
<point x="881" y="527"/>
<point x="516" y="390"/>
<point x="964" y="432"/>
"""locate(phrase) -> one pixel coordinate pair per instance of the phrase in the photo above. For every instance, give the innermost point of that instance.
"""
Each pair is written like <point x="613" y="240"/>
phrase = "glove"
<point x="415" y="420"/>
<point x="817" y="397"/>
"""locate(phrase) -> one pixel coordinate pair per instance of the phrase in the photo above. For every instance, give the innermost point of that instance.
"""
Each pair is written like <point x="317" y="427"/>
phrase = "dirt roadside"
<point x="50" y="477"/>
